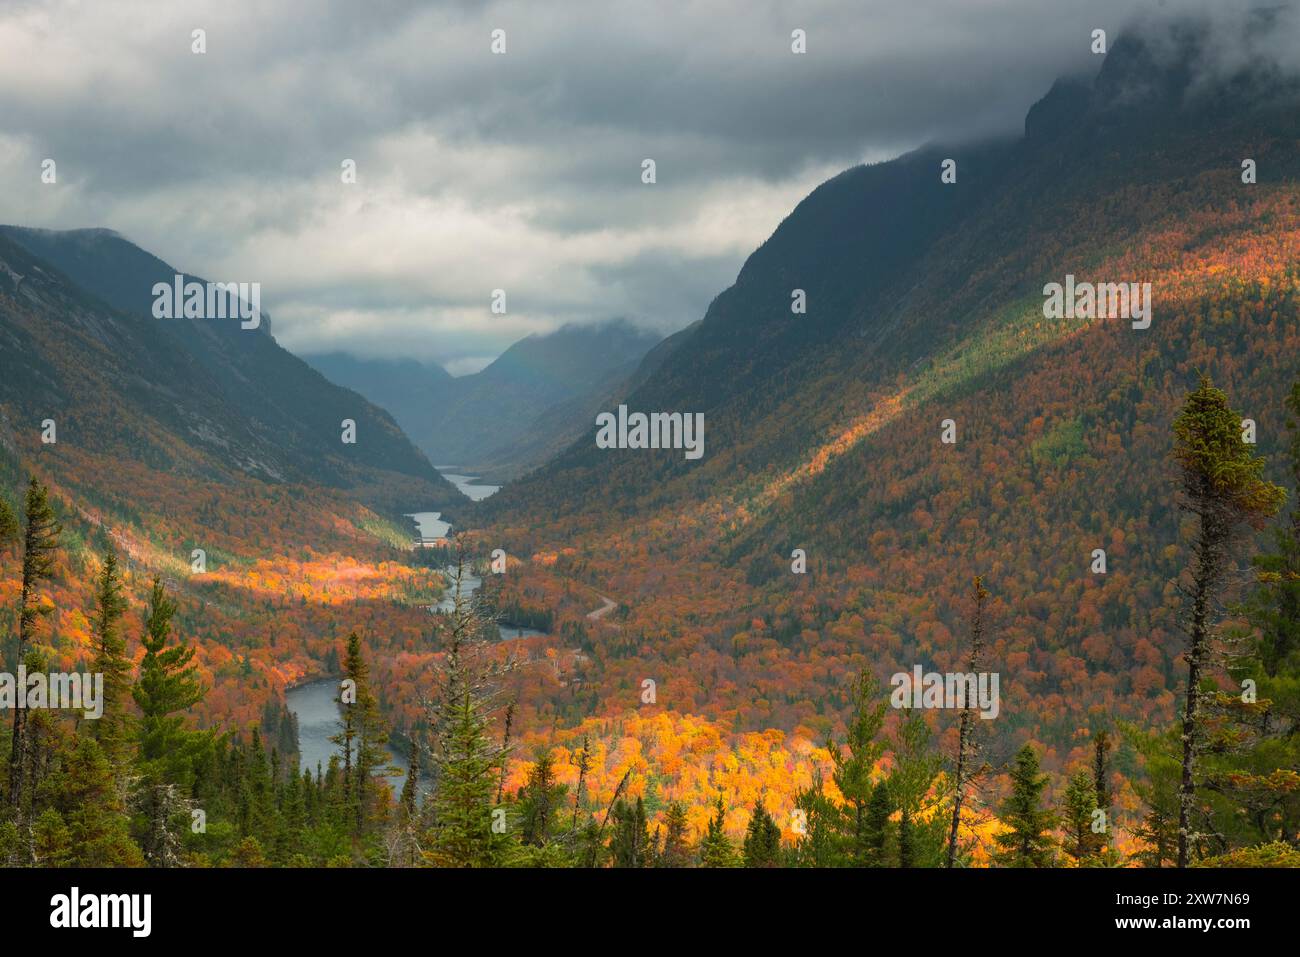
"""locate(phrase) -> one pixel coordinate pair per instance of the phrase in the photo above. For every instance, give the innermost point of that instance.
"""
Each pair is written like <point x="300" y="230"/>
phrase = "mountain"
<point x="533" y="400"/>
<point x="559" y="426"/>
<point x="825" y="431"/>
<point x="409" y="390"/>
<point x="201" y="396"/>
<point x="901" y="270"/>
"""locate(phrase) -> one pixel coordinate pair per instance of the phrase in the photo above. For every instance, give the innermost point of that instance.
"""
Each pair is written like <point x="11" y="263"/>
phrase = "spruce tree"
<point x="114" y="728"/>
<point x="822" y="842"/>
<point x="716" y="849"/>
<point x="916" y="788"/>
<point x="406" y="839"/>
<point x="1101" y="746"/>
<point x="166" y="687"/>
<point x="630" y="844"/>
<point x="363" y="736"/>
<point x="1221" y="488"/>
<point x="1027" y="842"/>
<point x="1158" y="829"/>
<point x="1080" y="802"/>
<point x="852" y="770"/>
<point x="9" y="528"/>
<point x="875" y="831"/>
<point x="1252" y="771"/>
<point x="676" y="846"/>
<point x="89" y="802"/>
<point x="40" y="543"/>
<point x="465" y="760"/>
<point x="539" y="801"/>
<point x="762" y="847"/>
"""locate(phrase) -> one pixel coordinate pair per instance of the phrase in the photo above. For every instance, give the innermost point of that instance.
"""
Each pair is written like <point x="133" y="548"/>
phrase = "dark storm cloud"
<point x="478" y="172"/>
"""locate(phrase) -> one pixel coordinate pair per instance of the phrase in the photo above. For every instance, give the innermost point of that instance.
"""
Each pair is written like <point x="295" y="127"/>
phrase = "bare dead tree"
<point x="966" y="747"/>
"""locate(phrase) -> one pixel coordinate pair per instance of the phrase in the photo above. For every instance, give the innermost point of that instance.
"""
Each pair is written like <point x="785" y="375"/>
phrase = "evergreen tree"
<point x="362" y="738"/>
<point x="1080" y="802"/>
<point x="915" y="789"/>
<point x="466" y="762"/>
<point x="51" y="840"/>
<point x="875" y="842"/>
<point x="716" y="849"/>
<point x="821" y="844"/>
<point x="539" y="800"/>
<point x="676" y="845"/>
<point x="1221" y="488"/>
<point x="762" y="847"/>
<point x="906" y="838"/>
<point x="410" y="787"/>
<point x="1158" y="828"/>
<point x="167" y="686"/>
<point x="85" y="795"/>
<point x="852" y="770"/>
<point x="1027" y="841"/>
<point x="1101" y="778"/>
<point x="630" y="844"/>
<point x="114" y="728"/>
<point x="40" y="543"/>
<point x="9" y="528"/>
<point x="1252" y="771"/>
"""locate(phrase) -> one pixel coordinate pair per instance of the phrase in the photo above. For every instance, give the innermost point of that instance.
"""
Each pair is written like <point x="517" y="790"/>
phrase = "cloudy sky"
<point x="478" y="171"/>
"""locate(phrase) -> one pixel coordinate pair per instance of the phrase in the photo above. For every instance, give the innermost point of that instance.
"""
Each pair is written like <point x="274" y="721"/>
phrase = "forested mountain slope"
<point x="181" y="395"/>
<point x="926" y="303"/>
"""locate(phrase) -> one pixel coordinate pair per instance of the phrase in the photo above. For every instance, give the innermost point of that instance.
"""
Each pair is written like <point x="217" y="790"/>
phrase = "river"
<point x="318" y="719"/>
<point x="468" y="484"/>
<point x="313" y="703"/>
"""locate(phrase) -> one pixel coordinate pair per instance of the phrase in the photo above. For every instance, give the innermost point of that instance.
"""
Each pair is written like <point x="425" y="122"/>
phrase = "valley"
<point x="945" y="435"/>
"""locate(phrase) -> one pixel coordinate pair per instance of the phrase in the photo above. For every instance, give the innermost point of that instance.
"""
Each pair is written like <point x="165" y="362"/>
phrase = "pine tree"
<point x="1158" y="829"/>
<point x="852" y="770"/>
<point x="630" y="844"/>
<point x="716" y="849"/>
<point x="1221" y="488"/>
<point x="9" y="528"/>
<point x="821" y="844"/>
<point x="1101" y="787"/>
<point x="166" y="687"/>
<point x="906" y="838"/>
<point x="1252" y="771"/>
<point x="915" y="786"/>
<point x="345" y="740"/>
<point x="539" y="800"/>
<point x="51" y="840"/>
<point x="40" y="543"/>
<point x="410" y="786"/>
<point x="1080" y="802"/>
<point x="363" y="737"/>
<point x="676" y="845"/>
<point x="466" y="763"/>
<point x="88" y="800"/>
<point x="406" y="839"/>
<point x="762" y="847"/>
<point x="1027" y="841"/>
<point x="114" y="728"/>
<point x="875" y="835"/>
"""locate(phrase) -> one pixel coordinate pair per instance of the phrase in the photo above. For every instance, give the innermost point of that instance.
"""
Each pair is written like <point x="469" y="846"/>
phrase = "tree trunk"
<point x="1209" y="563"/>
